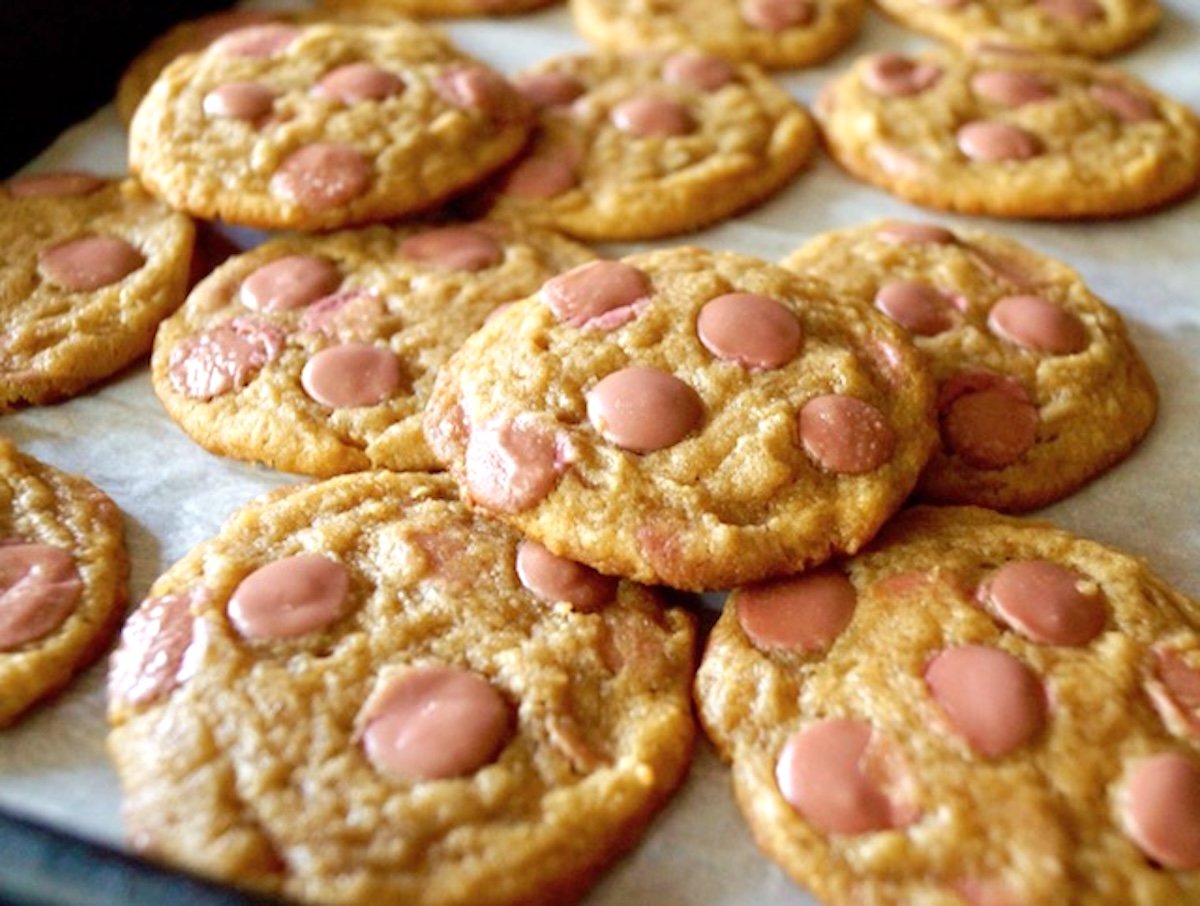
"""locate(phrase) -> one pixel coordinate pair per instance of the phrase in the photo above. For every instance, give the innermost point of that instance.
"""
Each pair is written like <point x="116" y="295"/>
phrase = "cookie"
<point x="977" y="710"/>
<point x="186" y="37"/>
<point x="1010" y="135"/>
<point x="317" y="354"/>
<point x="359" y="693"/>
<point x="63" y="578"/>
<point x="776" y="34"/>
<point x="322" y="126"/>
<point x="647" y="146"/>
<point x="1094" y="28"/>
<point x="686" y="418"/>
<point x="90" y="267"/>
<point x="436" y="8"/>
<point x="1039" y="386"/>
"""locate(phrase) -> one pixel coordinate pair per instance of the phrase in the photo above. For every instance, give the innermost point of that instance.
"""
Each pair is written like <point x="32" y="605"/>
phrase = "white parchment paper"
<point x="53" y="765"/>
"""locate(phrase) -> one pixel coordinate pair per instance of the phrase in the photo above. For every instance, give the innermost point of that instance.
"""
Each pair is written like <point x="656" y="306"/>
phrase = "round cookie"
<point x="63" y="578"/>
<point x="90" y="267"/>
<point x="1010" y="135"/>
<point x="776" y="34"/>
<point x="186" y="37"/>
<point x="685" y="417"/>
<point x="317" y="354"/>
<point x="436" y="8"/>
<point x="288" y="127"/>
<point x="1094" y="28"/>
<point x="652" y="145"/>
<point x="977" y="710"/>
<point x="1040" y="388"/>
<point x="359" y="693"/>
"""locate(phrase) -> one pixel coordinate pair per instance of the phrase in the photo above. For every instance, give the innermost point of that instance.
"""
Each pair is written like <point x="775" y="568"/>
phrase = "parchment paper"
<point x="53" y="764"/>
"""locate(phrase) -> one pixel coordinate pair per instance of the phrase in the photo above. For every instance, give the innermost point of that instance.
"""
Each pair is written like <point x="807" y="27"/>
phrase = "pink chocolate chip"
<point x="256" y="41"/>
<point x="1045" y="602"/>
<point x="149" y="661"/>
<point x="353" y="312"/>
<point x="776" y="15"/>
<point x="990" y="698"/>
<point x="239" y="100"/>
<point x="355" y="83"/>
<point x="541" y="176"/>
<point x="224" y="359"/>
<point x="988" y="892"/>
<point x="757" y="332"/>
<point x="548" y="89"/>
<point x="644" y="409"/>
<point x="1176" y="696"/>
<point x="803" y="613"/>
<point x="1035" y="323"/>
<point x="433" y="723"/>
<point x="476" y="88"/>
<point x="1161" y="809"/>
<point x="1010" y="89"/>
<point x="917" y="307"/>
<point x="648" y="115"/>
<point x="1074" y="11"/>
<point x="697" y="70"/>
<point x="895" y="75"/>
<point x="290" y="282"/>
<point x="898" y="232"/>
<point x="585" y="293"/>
<point x="553" y="579"/>
<point x="988" y="142"/>
<point x="845" y="434"/>
<point x="290" y="597"/>
<point x="988" y="421"/>
<point x="512" y="465"/>
<point x="824" y="772"/>
<point x="455" y="248"/>
<point x="322" y="175"/>
<point x="351" y="374"/>
<point x="90" y="263"/>
<point x="1129" y="106"/>
<point x="66" y="182"/>
<point x="39" y="588"/>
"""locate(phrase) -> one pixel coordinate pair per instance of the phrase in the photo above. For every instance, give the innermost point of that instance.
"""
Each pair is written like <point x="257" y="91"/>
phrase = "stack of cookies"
<point x="461" y="666"/>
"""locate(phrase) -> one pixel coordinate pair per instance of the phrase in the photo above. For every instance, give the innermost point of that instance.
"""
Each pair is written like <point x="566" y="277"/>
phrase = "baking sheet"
<point x="53" y="765"/>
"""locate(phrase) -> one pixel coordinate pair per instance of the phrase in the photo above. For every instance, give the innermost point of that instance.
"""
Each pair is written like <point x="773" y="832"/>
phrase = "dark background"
<point x="60" y="61"/>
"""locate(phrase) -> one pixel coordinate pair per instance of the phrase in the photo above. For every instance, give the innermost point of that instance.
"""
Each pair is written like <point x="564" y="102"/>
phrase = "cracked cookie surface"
<point x="63" y="578"/>
<point x="316" y="354"/>
<point x="284" y="126"/>
<point x="357" y="692"/>
<point x="975" y="710"/>
<point x="90" y="267"/>
<point x="686" y="417"/>
<point x="1010" y="135"/>
<point x="1039" y="387"/>
<point x="635" y="147"/>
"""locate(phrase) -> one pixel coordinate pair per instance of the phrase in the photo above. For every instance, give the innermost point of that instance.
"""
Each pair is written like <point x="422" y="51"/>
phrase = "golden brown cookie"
<point x="685" y="417"/>
<point x="1010" y="135"/>
<point x="90" y="267"/>
<point x="359" y="693"/>
<point x="323" y="126"/>
<point x="975" y="711"/>
<point x="317" y="354"/>
<point x="1094" y="28"/>
<point x="422" y="9"/>
<point x="1039" y="386"/>
<point x="647" y="146"/>
<point x="63" y="578"/>
<point x="776" y="34"/>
